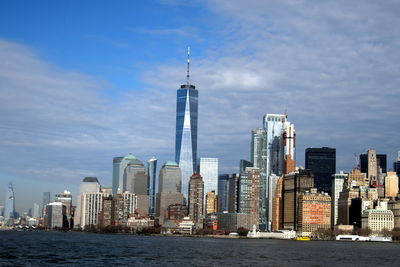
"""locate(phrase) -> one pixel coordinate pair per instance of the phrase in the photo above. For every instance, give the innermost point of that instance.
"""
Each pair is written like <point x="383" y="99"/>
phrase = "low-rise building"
<point x="232" y="221"/>
<point x="378" y="219"/>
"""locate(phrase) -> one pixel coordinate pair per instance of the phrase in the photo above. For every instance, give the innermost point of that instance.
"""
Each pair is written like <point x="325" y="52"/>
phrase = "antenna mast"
<point x="188" y="65"/>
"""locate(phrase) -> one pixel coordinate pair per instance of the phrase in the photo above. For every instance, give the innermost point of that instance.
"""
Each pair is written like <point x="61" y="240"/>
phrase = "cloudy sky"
<point x="84" y="81"/>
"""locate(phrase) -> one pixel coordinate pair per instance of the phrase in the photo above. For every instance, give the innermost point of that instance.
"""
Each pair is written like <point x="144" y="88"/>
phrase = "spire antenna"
<point x="188" y="68"/>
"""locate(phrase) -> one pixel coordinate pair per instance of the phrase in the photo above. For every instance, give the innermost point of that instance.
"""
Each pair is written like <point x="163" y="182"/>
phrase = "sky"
<point x="82" y="82"/>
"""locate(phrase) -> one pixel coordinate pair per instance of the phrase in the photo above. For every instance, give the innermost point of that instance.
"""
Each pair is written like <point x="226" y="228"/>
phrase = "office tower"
<point x="259" y="149"/>
<point x="208" y="168"/>
<point x="249" y="194"/>
<point x="371" y="162"/>
<point x="119" y="165"/>
<point x="196" y="201"/>
<point x="314" y="212"/>
<point x="233" y="193"/>
<point x="66" y="199"/>
<point x="9" y="209"/>
<point x="280" y="147"/>
<point x="211" y="203"/>
<point x="151" y="181"/>
<point x="338" y="182"/>
<point x="223" y="192"/>
<point x="1" y="210"/>
<point x="294" y="184"/>
<point x="169" y="189"/>
<point x="391" y="185"/>
<point x="36" y="211"/>
<point x="243" y="164"/>
<point x="46" y="201"/>
<point x="88" y="185"/>
<point x="56" y="217"/>
<point x="322" y="163"/>
<point x="186" y="130"/>
<point x="277" y="208"/>
<point x="135" y="177"/>
<point x="396" y="164"/>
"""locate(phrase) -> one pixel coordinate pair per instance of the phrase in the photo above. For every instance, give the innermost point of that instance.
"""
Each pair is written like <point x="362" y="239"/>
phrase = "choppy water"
<point x="59" y="248"/>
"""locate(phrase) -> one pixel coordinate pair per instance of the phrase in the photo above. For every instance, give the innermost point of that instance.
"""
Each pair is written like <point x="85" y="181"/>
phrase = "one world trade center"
<point x="186" y="130"/>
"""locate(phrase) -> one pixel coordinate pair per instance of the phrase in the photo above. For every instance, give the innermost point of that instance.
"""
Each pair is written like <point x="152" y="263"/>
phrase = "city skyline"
<point x="67" y="111"/>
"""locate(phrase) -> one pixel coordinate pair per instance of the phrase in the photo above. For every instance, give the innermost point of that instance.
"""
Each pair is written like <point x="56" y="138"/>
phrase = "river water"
<point x="85" y="249"/>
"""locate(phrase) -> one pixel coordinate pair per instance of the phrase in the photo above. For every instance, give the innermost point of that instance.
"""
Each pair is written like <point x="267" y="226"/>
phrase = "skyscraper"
<point x="322" y="163"/>
<point x="151" y="181"/>
<point x="208" y="168"/>
<point x="259" y="148"/>
<point x="280" y="146"/>
<point x="88" y="185"/>
<point x="9" y="209"/>
<point x="249" y="194"/>
<point x="223" y="192"/>
<point x="135" y="178"/>
<point x="371" y="163"/>
<point x="119" y="165"/>
<point x="66" y="199"/>
<point x="338" y="181"/>
<point x="169" y="189"/>
<point x="186" y="130"/>
<point x="196" y="201"/>
<point x="46" y="201"/>
<point x="36" y="210"/>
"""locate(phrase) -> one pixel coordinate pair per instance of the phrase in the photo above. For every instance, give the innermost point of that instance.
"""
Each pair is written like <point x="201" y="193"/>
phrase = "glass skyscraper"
<point x="151" y="182"/>
<point x="9" y="209"/>
<point x="46" y="201"/>
<point x="186" y="131"/>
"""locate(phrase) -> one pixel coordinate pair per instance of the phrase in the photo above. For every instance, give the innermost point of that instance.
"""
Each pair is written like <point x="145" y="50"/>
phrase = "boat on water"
<point x="303" y="238"/>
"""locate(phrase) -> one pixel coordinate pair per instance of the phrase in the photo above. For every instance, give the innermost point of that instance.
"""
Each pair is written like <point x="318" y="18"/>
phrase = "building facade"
<point x="249" y="194"/>
<point x="322" y="163"/>
<point x="314" y="212"/>
<point x="56" y="217"/>
<point x="211" y="203"/>
<point x="338" y="184"/>
<point x="46" y="201"/>
<point x="391" y="185"/>
<point x="196" y="199"/>
<point x="119" y="165"/>
<point x="66" y="199"/>
<point x="378" y="220"/>
<point x="223" y="192"/>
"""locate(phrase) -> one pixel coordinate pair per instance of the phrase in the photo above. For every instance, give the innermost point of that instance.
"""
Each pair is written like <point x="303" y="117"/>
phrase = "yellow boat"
<point x="303" y="238"/>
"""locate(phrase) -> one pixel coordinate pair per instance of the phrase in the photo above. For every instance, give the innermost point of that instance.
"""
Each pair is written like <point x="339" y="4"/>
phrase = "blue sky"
<point x="84" y="81"/>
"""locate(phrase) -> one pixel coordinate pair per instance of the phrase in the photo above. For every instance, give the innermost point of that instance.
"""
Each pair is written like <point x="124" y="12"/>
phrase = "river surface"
<point x="85" y="249"/>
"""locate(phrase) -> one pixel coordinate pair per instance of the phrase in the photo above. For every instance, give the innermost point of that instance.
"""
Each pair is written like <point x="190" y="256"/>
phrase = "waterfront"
<point x="74" y="248"/>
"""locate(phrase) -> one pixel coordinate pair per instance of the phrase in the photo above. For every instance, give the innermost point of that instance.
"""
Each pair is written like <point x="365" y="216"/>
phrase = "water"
<point x="70" y="248"/>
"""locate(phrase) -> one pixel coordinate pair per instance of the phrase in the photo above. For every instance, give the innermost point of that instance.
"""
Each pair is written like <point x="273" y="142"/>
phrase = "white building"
<point x="88" y="185"/>
<point x="208" y="168"/>
<point x="91" y="206"/>
<point x="377" y="219"/>
<point x="338" y="180"/>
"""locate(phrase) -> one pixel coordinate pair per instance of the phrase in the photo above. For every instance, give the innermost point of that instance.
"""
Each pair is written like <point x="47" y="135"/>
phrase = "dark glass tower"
<point x="151" y="182"/>
<point x="186" y="130"/>
<point x="322" y="163"/>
